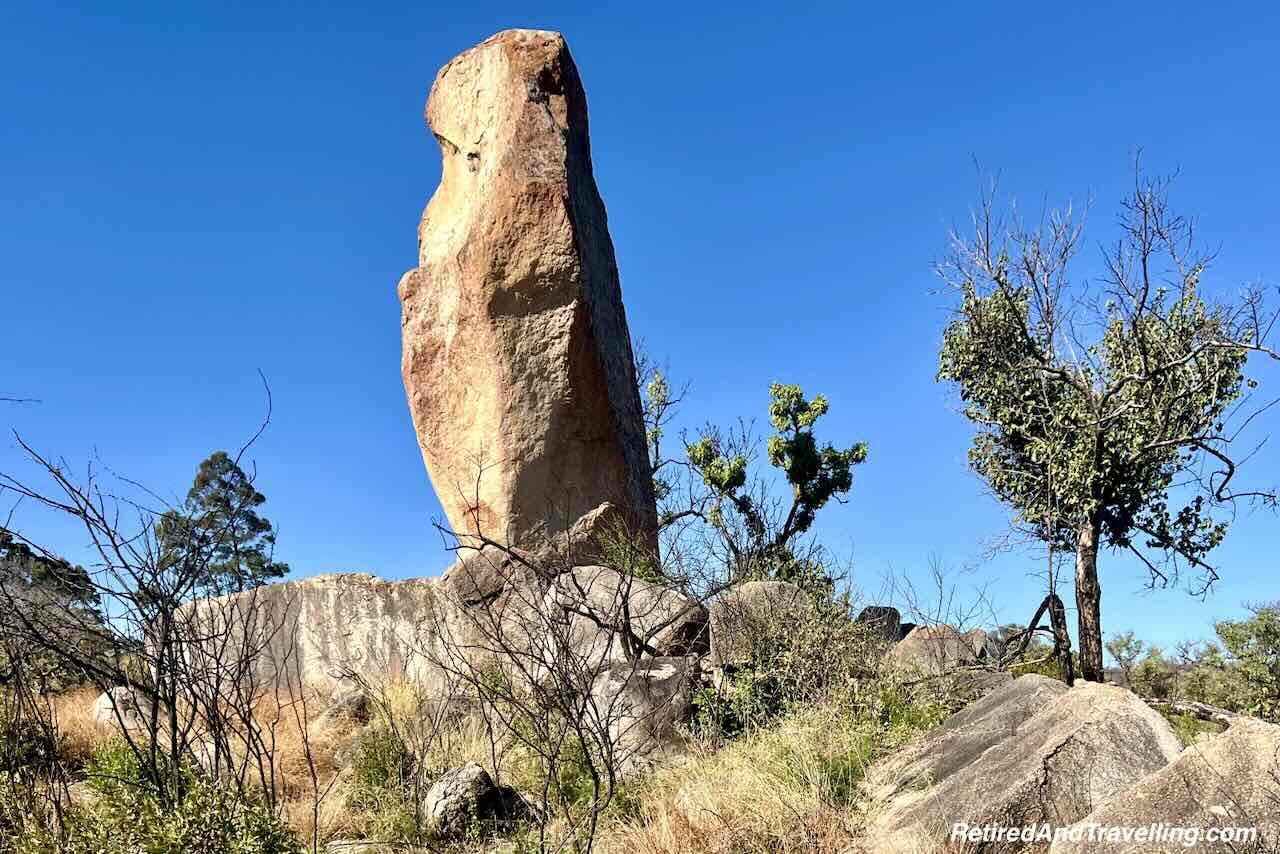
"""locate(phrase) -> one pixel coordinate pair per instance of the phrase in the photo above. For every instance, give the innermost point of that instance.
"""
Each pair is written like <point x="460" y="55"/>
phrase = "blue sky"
<point x="196" y="192"/>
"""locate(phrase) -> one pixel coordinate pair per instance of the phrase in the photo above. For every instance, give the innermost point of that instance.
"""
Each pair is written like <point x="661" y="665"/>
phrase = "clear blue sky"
<point x="195" y="192"/>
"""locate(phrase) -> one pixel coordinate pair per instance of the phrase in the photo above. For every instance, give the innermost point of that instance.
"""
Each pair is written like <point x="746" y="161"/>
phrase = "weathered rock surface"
<point x="1082" y="749"/>
<point x="464" y="796"/>
<point x="487" y="611"/>
<point x="349" y="705"/>
<point x="745" y="615"/>
<point x="644" y="704"/>
<point x="1230" y="780"/>
<point x="317" y="631"/>
<point x="516" y="356"/>
<point x="969" y="733"/>
<point x="936" y="649"/>
<point x="598" y="608"/>
<point x="121" y="707"/>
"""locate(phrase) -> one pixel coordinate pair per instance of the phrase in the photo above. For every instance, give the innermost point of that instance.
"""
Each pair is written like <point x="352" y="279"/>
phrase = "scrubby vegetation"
<point x="788" y="709"/>
<point x="1239" y="673"/>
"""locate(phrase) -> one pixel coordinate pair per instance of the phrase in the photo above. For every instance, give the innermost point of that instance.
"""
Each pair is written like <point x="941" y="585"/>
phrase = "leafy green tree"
<point x="60" y="580"/>
<point x="1154" y="676"/>
<point x="219" y="525"/>
<point x="1203" y="677"/>
<point x="759" y="540"/>
<point x="1253" y="654"/>
<point x="33" y="580"/>
<point x="1126" y="649"/>
<point x="1102" y="416"/>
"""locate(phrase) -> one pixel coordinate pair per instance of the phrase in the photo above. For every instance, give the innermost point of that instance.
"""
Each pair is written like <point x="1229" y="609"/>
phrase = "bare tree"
<point x="189" y="678"/>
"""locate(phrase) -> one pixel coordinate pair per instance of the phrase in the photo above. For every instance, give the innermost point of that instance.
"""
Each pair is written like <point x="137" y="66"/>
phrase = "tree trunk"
<point x="1061" y="638"/>
<point x="1089" y="601"/>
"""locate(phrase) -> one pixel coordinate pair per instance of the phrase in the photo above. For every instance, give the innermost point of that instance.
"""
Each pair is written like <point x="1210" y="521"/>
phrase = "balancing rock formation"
<point x="516" y="357"/>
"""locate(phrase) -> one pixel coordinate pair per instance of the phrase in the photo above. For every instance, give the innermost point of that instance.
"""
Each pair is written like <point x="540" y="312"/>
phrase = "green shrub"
<point x="1253" y="669"/>
<point x="383" y="764"/>
<point x="1154" y="676"/>
<point x="25" y="745"/>
<point x="129" y="815"/>
<point x="383" y="773"/>
<point x="1187" y="727"/>
<point x="792" y="663"/>
<point x="840" y="776"/>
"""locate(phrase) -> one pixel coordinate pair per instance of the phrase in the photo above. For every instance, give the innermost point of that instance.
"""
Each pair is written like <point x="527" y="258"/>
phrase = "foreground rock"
<point x="1231" y="780"/>
<point x="466" y="796"/>
<point x="1082" y="749"/>
<point x="644" y="705"/>
<point x="516" y="356"/>
<point x="965" y="736"/>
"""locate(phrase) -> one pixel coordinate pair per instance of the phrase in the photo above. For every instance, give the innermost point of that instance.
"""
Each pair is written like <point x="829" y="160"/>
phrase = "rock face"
<point x="516" y="356"/>
<point x="1083" y="748"/>
<point x="644" y="704"/>
<point x="1231" y="780"/>
<point x="315" y="632"/>
<point x="969" y="733"/>
<point x="598" y="606"/>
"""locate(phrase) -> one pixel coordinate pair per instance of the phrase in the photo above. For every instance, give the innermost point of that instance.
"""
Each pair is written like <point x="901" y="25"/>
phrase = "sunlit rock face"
<point x="516" y="356"/>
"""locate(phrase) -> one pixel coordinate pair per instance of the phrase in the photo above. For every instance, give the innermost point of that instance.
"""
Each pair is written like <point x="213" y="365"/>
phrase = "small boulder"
<point x="120" y="707"/>
<point x="1231" y="780"/>
<point x="348" y="706"/>
<point x="884" y="621"/>
<point x="466" y="795"/>
<point x="644" y="704"/>
<point x="937" y="649"/>
<point x="745" y="615"/>
<point x="1082" y="749"/>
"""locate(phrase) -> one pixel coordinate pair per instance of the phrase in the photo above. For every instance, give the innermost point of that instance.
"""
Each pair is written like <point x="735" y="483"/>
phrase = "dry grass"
<point x="795" y="786"/>
<point x="79" y="735"/>
<point x="792" y="787"/>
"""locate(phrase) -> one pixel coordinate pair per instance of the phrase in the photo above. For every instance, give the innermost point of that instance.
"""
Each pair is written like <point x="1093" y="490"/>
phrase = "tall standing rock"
<point x="516" y="357"/>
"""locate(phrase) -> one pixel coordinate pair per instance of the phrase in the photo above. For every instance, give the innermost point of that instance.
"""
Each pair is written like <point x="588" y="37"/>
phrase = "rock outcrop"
<point x="317" y="631"/>
<point x="1224" y="782"/>
<point x="937" y="649"/>
<point x="516" y="356"/>
<point x="1083" y="748"/>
